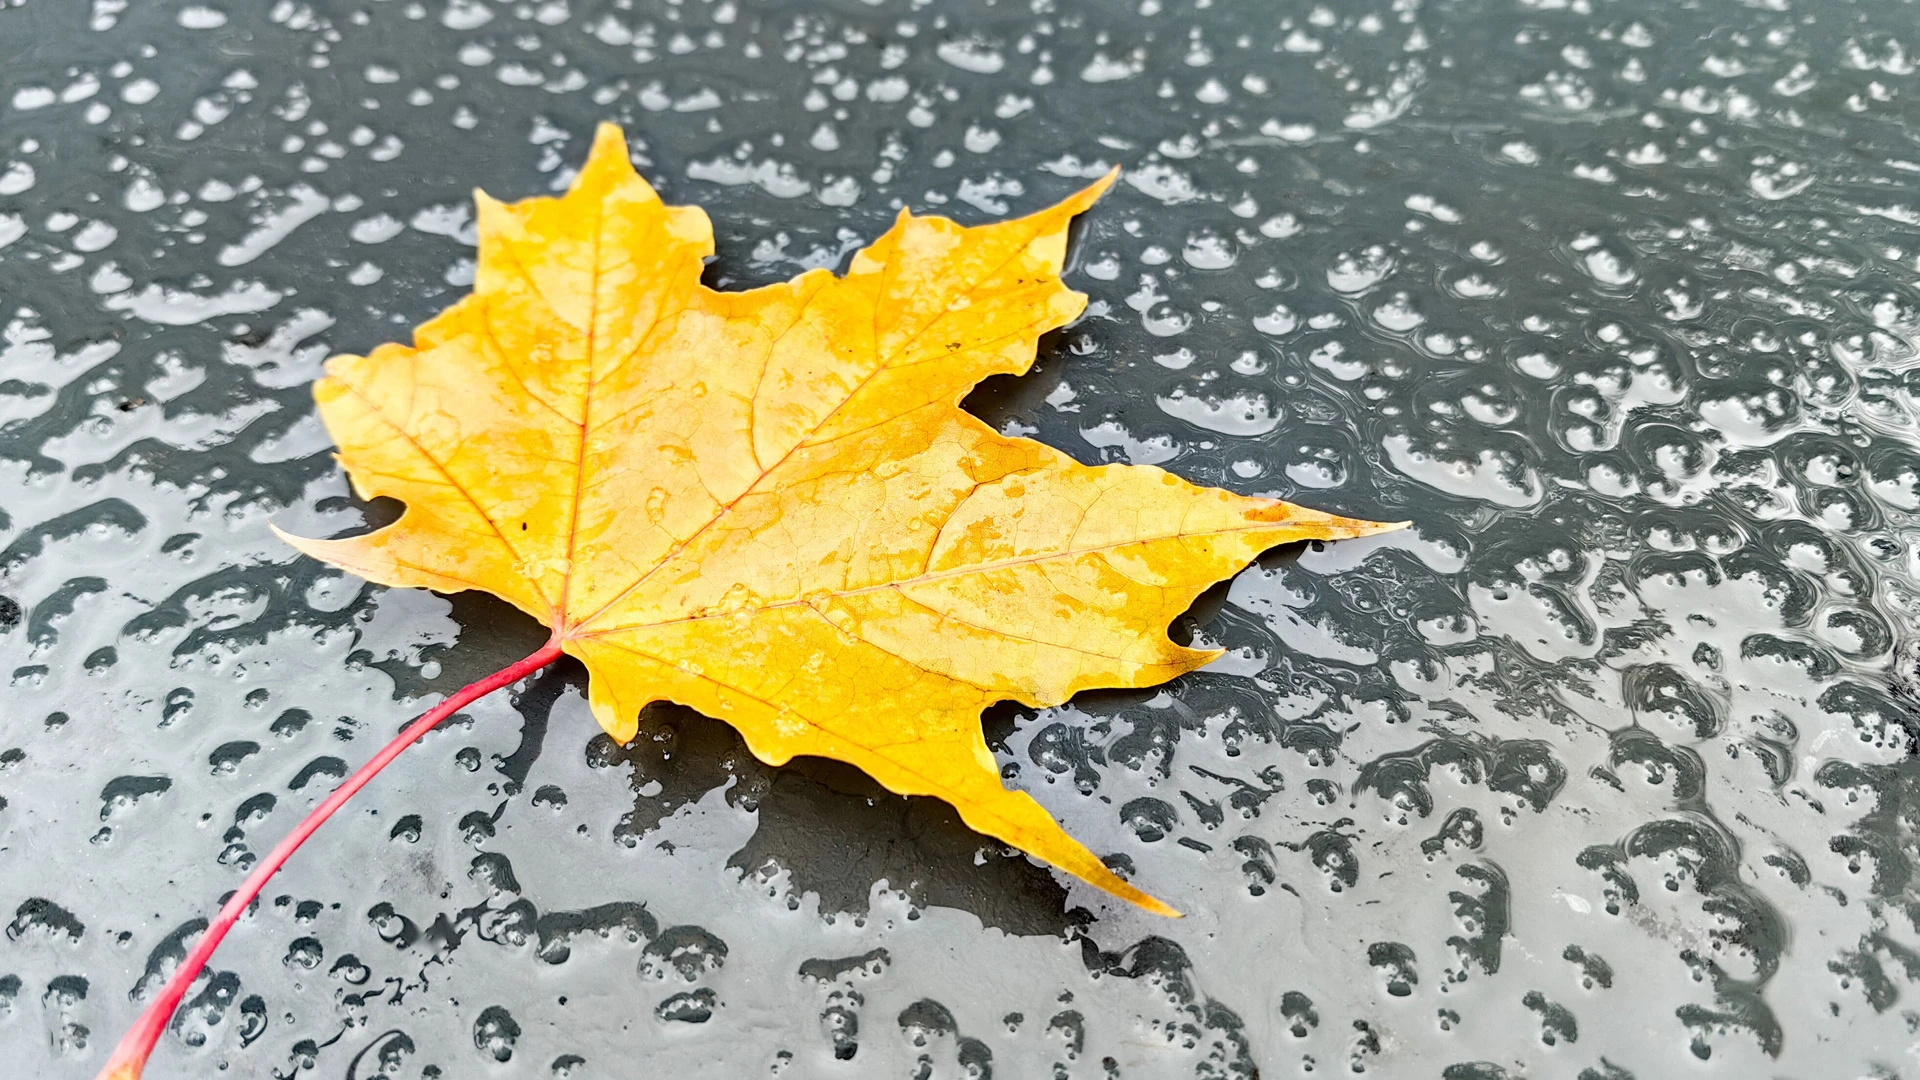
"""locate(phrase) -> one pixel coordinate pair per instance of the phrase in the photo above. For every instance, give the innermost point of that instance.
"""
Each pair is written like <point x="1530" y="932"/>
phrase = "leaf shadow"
<point x="834" y="830"/>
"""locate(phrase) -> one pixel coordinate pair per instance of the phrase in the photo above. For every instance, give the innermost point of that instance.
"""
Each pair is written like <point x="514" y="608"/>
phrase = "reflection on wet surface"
<point x="1605" y="769"/>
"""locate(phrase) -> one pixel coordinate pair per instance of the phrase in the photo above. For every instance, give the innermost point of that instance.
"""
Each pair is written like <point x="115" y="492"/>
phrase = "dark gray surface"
<point x="1605" y="769"/>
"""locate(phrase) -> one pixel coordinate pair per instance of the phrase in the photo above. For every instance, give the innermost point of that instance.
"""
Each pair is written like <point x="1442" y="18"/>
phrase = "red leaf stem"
<point x="130" y="1057"/>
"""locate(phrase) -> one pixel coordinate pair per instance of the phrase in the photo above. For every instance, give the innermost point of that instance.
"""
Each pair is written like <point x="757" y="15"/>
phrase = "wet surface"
<point x="1605" y="769"/>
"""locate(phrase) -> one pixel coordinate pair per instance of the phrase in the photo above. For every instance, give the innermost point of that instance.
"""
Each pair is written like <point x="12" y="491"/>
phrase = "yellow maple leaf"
<point x="768" y="505"/>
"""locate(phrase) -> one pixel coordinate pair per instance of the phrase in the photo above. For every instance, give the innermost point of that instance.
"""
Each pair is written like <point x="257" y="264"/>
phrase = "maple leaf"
<point x="768" y="505"/>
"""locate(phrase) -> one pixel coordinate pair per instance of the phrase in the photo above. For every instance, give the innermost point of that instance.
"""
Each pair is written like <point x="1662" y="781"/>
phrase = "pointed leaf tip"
<point x="1152" y="905"/>
<point x="609" y="138"/>
<point x="608" y="163"/>
<point x="1080" y="201"/>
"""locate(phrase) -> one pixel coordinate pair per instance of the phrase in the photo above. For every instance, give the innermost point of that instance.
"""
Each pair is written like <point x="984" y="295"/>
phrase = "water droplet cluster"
<point x="1605" y="769"/>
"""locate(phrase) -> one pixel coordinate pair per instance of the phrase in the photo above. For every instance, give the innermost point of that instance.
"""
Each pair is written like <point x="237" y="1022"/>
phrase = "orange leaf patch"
<point x="768" y="505"/>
